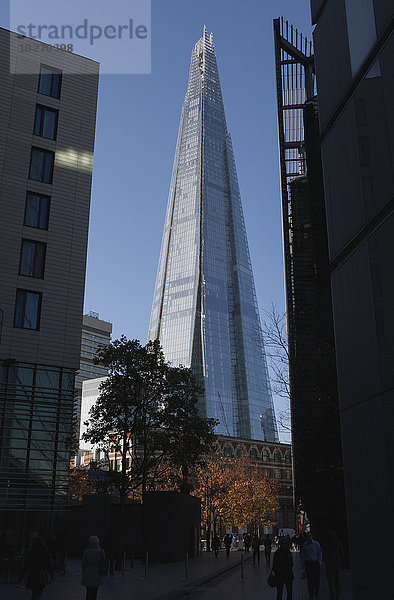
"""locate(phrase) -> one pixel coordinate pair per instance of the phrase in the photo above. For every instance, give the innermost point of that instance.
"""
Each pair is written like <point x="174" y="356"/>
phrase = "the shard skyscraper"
<point x="204" y="308"/>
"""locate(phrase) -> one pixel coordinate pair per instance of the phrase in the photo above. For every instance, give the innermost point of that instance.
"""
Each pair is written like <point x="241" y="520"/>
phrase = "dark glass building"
<point x="354" y="52"/>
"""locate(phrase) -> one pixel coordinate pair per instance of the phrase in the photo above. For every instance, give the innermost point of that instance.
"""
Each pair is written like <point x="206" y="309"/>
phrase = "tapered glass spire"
<point x="204" y="308"/>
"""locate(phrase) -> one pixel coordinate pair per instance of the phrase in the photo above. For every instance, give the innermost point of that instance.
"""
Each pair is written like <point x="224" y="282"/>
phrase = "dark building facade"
<point x="47" y="127"/>
<point x="318" y="468"/>
<point x="354" y="52"/>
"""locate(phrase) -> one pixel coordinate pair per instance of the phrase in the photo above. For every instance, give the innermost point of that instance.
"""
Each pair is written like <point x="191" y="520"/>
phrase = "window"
<point x="50" y="81"/>
<point x="37" y="210"/>
<point x="41" y="165"/>
<point x="45" y="123"/>
<point x="253" y="454"/>
<point x="32" y="259"/>
<point x="27" y="309"/>
<point x="277" y="456"/>
<point x="265" y="455"/>
<point x="288" y="458"/>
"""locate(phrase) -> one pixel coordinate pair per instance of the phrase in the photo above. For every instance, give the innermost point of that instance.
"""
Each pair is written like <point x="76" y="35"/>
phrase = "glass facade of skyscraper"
<point x="204" y="308"/>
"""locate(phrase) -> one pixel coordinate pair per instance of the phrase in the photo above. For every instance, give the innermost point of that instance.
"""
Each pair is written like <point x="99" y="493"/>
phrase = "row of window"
<point x="254" y="455"/>
<point x="32" y="255"/>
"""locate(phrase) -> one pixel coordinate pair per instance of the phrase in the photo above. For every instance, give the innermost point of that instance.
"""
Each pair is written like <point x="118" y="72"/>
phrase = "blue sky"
<point x="137" y="124"/>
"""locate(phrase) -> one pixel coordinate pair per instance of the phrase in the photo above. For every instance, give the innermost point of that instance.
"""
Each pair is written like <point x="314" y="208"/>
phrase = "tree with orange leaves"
<point x="234" y="491"/>
<point x="79" y="484"/>
<point x="254" y="497"/>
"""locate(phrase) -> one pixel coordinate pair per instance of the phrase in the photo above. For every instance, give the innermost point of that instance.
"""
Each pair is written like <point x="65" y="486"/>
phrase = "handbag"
<point x="272" y="582"/>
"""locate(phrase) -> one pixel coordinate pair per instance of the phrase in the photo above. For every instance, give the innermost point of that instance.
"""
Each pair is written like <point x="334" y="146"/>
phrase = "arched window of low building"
<point x="265" y="455"/>
<point x="288" y="458"/>
<point x="253" y="454"/>
<point x="240" y="451"/>
<point x="277" y="456"/>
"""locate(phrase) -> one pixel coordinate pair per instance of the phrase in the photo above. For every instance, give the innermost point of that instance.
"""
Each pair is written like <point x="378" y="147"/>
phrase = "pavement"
<point x="206" y="578"/>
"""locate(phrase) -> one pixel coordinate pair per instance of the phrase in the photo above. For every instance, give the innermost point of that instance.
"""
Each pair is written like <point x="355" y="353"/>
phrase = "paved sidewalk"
<point x="254" y="585"/>
<point x="163" y="580"/>
<point x="208" y="579"/>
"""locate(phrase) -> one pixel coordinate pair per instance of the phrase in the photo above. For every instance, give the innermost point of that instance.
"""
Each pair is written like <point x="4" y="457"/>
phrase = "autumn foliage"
<point x="235" y="491"/>
<point x="79" y="484"/>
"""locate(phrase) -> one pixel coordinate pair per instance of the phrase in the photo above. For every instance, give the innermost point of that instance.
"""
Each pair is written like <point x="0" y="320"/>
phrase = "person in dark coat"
<point x="282" y="567"/>
<point x="247" y="542"/>
<point x="267" y="549"/>
<point x="256" y="542"/>
<point x="38" y="569"/>
<point x="93" y="567"/>
<point x="215" y="545"/>
<point x="333" y="555"/>
<point x="227" y="544"/>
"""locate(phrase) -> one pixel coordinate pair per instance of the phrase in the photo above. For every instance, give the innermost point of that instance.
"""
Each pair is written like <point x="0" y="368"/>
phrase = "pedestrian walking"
<point x="93" y="567"/>
<point x="311" y="559"/>
<point x="247" y="542"/>
<point x="267" y="549"/>
<point x="282" y="567"/>
<point x="256" y="542"/>
<point x="227" y="544"/>
<point x="333" y="555"/>
<point x="38" y="569"/>
<point x="216" y="545"/>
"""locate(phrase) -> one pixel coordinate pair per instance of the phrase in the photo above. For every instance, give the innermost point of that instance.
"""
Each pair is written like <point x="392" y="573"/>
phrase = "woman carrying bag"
<point x="282" y="567"/>
<point x="93" y="567"/>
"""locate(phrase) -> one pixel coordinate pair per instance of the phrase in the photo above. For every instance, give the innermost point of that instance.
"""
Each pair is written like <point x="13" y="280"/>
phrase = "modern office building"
<point x="90" y="394"/>
<point x="316" y="436"/>
<point x="95" y="333"/>
<point x="204" y="308"/>
<point x="47" y="128"/>
<point x="354" y="51"/>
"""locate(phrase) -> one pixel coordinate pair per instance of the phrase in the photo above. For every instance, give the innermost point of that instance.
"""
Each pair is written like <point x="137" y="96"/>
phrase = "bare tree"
<point x="275" y="341"/>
